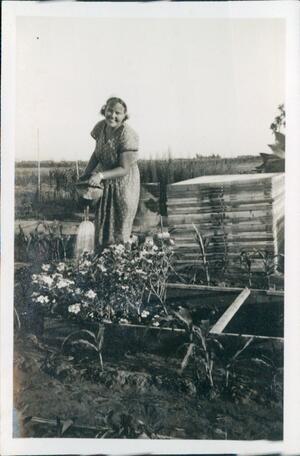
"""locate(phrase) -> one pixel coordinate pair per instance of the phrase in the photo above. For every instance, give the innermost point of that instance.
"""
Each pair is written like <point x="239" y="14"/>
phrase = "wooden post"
<point x="77" y="169"/>
<point x="39" y="164"/>
<point x="230" y="312"/>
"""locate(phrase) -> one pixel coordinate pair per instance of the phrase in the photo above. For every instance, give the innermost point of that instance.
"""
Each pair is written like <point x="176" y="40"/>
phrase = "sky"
<point x="192" y="85"/>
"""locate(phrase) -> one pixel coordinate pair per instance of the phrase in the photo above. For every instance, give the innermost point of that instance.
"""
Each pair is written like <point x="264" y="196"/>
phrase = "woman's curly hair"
<point x="114" y="100"/>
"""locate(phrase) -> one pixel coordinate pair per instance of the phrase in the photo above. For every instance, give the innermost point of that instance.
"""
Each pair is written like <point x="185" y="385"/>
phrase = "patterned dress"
<point x="116" y="209"/>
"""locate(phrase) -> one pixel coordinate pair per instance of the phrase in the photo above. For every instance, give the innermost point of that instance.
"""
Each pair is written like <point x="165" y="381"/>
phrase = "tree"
<point x="275" y="162"/>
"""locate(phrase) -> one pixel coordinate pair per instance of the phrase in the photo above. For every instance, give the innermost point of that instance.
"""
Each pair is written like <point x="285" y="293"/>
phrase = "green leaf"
<point x="27" y="419"/>
<point x="81" y="331"/>
<point x="184" y="316"/>
<point x="66" y="425"/>
<point x="85" y="344"/>
<point x="261" y="362"/>
<point x="187" y="356"/>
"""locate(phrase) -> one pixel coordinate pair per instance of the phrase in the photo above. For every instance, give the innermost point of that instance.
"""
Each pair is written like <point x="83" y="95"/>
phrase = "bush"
<point x="115" y="286"/>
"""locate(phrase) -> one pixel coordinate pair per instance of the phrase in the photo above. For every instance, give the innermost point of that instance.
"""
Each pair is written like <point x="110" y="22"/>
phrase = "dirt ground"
<point x="146" y="389"/>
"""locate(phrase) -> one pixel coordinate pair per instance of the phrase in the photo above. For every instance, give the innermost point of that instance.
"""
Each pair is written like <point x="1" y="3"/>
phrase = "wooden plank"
<point x="246" y="237"/>
<point x="228" y="200"/>
<point x="254" y="292"/>
<point x="183" y="286"/>
<point x="226" y="209"/>
<point x="234" y="217"/>
<point x="230" y="178"/>
<point x="229" y="228"/>
<point x="212" y="190"/>
<point x="230" y="312"/>
<point x="249" y="336"/>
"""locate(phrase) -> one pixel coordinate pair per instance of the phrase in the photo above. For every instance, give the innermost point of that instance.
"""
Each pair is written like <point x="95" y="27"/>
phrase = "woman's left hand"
<point x="95" y="179"/>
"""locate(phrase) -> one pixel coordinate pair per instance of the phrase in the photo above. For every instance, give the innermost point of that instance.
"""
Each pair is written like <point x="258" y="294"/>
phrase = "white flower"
<point x="145" y="314"/>
<point x="47" y="280"/>
<point x="34" y="278"/>
<point x="78" y="291"/>
<point x="74" y="308"/>
<point x="90" y="294"/>
<point x="164" y="235"/>
<point x="133" y="239"/>
<point x="123" y="321"/>
<point x="86" y="263"/>
<point x="120" y="248"/>
<point x="61" y="267"/>
<point x="102" y="268"/>
<point x="45" y="267"/>
<point x="42" y="299"/>
<point x="56" y="275"/>
<point x="149" y="241"/>
<point x="64" y="283"/>
<point x="155" y="323"/>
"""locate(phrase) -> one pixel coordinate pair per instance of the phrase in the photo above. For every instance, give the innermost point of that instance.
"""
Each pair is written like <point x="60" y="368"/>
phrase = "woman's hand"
<point x="95" y="179"/>
<point x="83" y="177"/>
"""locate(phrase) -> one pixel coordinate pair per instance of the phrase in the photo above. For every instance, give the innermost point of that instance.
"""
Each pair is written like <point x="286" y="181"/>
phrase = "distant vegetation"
<point x="58" y="178"/>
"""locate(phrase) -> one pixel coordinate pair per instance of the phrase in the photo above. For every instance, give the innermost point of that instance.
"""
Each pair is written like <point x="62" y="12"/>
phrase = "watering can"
<point x="90" y="193"/>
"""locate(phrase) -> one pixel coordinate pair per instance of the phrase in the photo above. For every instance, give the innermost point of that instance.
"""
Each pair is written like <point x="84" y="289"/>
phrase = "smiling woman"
<point x="114" y="163"/>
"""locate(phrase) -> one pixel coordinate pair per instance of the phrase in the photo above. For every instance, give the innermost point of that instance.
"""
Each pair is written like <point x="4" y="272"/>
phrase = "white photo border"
<point x="288" y="10"/>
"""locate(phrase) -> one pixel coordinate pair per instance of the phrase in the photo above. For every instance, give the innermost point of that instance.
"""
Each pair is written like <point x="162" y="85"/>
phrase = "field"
<point x="57" y="196"/>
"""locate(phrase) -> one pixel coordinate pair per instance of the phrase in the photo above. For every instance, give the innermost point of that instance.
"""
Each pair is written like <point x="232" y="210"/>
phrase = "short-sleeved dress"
<point x="117" y="208"/>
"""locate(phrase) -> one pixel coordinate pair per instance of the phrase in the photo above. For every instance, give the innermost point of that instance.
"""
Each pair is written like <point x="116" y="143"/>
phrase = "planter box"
<point x="238" y="313"/>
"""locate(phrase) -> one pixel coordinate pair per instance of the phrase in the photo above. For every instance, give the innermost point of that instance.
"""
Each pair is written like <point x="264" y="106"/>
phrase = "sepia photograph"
<point x="148" y="261"/>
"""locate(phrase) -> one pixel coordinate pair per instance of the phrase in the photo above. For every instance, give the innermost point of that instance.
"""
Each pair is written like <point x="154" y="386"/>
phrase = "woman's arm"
<point x="126" y="160"/>
<point x="90" y="167"/>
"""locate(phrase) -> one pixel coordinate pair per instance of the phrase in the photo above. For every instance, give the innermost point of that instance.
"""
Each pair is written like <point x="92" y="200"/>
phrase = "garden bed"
<point x="137" y="387"/>
<point x="126" y="354"/>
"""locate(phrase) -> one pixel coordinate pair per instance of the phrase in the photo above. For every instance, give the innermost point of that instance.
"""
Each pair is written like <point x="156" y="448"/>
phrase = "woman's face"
<point x="115" y="114"/>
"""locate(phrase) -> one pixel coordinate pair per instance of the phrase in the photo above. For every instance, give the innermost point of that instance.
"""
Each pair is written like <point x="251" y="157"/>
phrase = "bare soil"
<point x="147" y="387"/>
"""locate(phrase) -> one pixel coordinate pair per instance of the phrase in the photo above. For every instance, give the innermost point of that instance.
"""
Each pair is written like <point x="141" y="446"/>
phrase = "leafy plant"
<point x="279" y="120"/>
<point x="269" y="263"/>
<point x="132" y="425"/>
<point x="45" y="243"/>
<point x="88" y="340"/>
<point x="275" y="162"/>
<point x="246" y="260"/>
<point x="202" y="351"/>
<point x="120" y="425"/>
<point x="116" y="286"/>
<point x="17" y="319"/>
<point x="232" y="381"/>
<point x="203" y="243"/>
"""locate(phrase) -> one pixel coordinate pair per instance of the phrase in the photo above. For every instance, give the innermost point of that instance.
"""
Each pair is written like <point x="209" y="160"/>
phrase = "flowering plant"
<point x="119" y="285"/>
